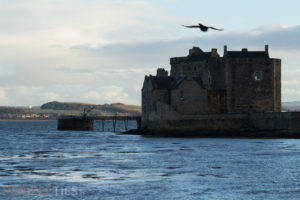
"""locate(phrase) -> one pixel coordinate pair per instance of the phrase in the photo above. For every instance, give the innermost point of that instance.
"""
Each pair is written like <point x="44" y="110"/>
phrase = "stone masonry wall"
<point x="250" y="85"/>
<point x="277" y="87"/>
<point x="189" y="98"/>
<point x="257" y="123"/>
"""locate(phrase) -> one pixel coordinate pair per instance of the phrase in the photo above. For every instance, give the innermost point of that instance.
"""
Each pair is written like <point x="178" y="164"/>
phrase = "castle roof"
<point x="162" y="82"/>
<point x="195" y="55"/>
<point x="167" y="82"/>
<point x="181" y="78"/>
<point x="198" y="57"/>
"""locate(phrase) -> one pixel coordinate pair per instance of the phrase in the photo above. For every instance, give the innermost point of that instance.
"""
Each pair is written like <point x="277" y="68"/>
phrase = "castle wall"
<point x="216" y="74"/>
<point x="148" y="99"/>
<point x="190" y="69"/>
<point x="189" y="98"/>
<point x="216" y="102"/>
<point x="251" y="84"/>
<point x="150" y="106"/>
<point x="254" y="124"/>
<point x="277" y="87"/>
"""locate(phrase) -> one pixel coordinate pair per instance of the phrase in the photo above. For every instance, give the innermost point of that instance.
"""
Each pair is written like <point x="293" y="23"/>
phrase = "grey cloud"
<point x="72" y="70"/>
<point x="280" y="39"/>
<point x="124" y="64"/>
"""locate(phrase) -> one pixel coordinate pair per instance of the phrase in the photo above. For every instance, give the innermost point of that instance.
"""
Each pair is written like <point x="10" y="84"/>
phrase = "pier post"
<point x="126" y="123"/>
<point x="114" y="123"/>
<point x="103" y="124"/>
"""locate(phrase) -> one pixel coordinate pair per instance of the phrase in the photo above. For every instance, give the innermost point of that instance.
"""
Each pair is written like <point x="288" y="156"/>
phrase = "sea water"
<point x="39" y="162"/>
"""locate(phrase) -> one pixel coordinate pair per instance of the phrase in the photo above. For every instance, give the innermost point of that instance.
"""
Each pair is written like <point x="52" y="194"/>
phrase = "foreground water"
<point x="39" y="162"/>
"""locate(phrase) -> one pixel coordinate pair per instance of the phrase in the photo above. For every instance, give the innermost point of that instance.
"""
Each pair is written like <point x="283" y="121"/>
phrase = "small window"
<point x="257" y="76"/>
<point x="221" y="99"/>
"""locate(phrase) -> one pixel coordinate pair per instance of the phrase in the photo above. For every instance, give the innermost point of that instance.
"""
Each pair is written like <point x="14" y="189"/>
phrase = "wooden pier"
<point x="87" y="122"/>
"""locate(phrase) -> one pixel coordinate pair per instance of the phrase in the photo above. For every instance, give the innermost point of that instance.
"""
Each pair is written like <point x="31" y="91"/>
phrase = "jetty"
<point x="87" y="122"/>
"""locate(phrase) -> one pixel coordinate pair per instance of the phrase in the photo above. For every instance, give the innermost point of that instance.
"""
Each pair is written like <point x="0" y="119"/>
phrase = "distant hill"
<point x="12" y="110"/>
<point x="105" y="108"/>
<point x="291" y="106"/>
<point x="52" y="110"/>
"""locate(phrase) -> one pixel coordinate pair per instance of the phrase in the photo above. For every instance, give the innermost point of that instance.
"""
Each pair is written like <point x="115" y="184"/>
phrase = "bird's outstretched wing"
<point x="191" y="26"/>
<point x="217" y="29"/>
<point x="203" y="27"/>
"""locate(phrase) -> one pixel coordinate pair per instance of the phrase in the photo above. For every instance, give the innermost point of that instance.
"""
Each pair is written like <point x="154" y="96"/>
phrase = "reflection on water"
<point x="39" y="162"/>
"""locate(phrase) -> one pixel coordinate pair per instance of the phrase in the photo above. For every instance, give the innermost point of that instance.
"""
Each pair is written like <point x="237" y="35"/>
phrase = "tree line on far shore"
<point x="52" y="110"/>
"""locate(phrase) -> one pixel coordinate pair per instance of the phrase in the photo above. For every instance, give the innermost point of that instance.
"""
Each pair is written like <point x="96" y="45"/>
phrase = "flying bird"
<point x="203" y="28"/>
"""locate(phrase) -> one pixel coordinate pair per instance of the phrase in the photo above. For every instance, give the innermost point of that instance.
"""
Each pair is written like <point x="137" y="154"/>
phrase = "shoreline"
<point x="25" y="120"/>
<point x="266" y="134"/>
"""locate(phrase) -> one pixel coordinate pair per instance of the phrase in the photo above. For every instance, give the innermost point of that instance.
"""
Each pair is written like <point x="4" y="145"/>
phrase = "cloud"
<point x="93" y="95"/>
<point x="50" y="96"/>
<point x="3" y="96"/>
<point x="283" y="41"/>
<point x="278" y="37"/>
<point x="107" y="94"/>
<point x="115" y="72"/>
<point x="99" y="51"/>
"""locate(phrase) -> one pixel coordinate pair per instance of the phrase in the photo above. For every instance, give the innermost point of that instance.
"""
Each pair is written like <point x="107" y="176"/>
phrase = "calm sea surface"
<point x="39" y="162"/>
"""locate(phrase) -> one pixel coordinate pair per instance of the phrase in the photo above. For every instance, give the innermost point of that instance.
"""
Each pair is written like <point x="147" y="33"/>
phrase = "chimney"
<point x="267" y="48"/>
<point x="161" y="72"/>
<point x="214" y="53"/>
<point x="195" y="50"/>
<point x="225" y="49"/>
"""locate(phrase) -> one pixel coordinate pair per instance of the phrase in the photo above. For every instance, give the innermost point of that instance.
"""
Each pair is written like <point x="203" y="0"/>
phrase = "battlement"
<point x="245" y="53"/>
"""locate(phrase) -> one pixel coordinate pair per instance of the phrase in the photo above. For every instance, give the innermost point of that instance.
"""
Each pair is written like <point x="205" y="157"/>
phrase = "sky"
<point x="98" y="51"/>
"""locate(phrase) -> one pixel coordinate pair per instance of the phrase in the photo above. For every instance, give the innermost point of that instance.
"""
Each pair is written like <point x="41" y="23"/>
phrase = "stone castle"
<point x="206" y="91"/>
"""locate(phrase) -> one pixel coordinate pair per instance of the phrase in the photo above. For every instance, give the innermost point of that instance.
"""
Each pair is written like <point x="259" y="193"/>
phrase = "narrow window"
<point x="221" y="99"/>
<point x="257" y="76"/>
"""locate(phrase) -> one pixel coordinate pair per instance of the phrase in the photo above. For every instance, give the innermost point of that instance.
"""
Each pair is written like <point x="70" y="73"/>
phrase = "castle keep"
<point x="206" y="83"/>
<point x="206" y="91"/>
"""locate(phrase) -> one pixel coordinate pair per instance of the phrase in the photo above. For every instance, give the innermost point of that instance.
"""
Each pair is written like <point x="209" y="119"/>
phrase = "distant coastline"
<point x="53" y="110"/>
<point x="26" y="120"/>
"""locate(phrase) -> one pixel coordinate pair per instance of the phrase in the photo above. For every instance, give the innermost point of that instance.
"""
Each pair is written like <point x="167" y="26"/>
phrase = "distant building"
<point x="204" y="83"/>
